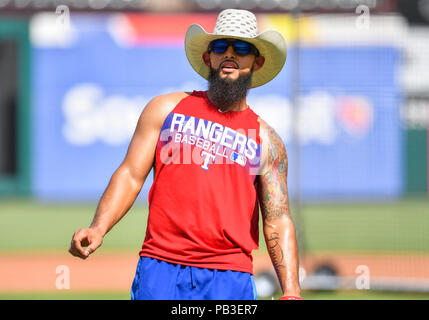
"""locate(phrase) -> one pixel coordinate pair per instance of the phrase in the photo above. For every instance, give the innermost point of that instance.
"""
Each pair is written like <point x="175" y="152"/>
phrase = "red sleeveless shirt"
<point x="203" y="207"/>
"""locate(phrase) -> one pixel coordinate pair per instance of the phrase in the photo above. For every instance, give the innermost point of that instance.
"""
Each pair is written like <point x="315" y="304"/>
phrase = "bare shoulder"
<point x="272" y="144"/>
<point x="268" y="133"/>
<point x="169" y="100"/>
<point x="160" y="106"/>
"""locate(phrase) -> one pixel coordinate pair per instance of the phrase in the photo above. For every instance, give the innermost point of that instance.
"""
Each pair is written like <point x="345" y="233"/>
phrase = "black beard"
<point x="224" y="93"/>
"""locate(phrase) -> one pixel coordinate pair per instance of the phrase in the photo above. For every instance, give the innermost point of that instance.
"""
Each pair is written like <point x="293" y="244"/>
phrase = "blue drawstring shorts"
<point x="161" y="280"/>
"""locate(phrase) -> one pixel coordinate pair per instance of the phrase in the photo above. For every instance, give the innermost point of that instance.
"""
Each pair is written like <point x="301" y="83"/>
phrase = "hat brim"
<point x="270" y="44"/>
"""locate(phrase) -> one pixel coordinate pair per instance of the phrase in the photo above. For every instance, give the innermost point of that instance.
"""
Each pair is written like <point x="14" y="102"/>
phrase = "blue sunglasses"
<point x="239" y="46"/>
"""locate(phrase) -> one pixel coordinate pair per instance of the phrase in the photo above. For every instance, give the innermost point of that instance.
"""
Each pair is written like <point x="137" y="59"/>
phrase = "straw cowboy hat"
<point x="238" y="24"/>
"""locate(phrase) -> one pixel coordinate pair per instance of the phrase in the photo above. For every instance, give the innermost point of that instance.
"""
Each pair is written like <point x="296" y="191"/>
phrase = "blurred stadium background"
<point x="351" y="105"/>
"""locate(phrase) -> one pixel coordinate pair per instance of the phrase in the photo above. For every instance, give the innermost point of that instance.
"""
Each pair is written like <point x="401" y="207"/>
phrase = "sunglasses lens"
<point x="219" y="46"/>
<point x="242" y="47"/>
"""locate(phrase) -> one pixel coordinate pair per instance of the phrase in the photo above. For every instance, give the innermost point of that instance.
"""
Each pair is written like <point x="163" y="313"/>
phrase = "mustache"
<point x="235" y="63"/>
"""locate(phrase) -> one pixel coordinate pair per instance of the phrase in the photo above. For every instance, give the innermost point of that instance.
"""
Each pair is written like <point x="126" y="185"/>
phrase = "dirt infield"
<point x="115" y="271"/>
<point x="42" y="271"/>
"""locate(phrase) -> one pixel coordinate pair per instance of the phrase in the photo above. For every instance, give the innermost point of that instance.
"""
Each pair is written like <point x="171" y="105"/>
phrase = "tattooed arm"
<point x="278" y="227"/>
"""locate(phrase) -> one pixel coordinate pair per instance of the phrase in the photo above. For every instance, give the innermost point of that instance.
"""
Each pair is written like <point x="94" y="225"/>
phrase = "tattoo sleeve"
<point x="278" y="226"/>
<point x="273" y="177"/>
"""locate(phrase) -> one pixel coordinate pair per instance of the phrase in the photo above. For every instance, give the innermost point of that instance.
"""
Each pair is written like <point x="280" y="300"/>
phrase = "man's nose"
<point x="229" y="53"/>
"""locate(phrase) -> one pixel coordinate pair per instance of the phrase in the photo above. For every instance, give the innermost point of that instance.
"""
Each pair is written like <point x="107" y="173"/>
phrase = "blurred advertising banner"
<point x="415" y="121"/>
<point x="93" y="75"/>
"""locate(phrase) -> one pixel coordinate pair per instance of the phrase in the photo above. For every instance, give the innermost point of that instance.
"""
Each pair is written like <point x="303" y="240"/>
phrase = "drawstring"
<point x="192" y="278"/>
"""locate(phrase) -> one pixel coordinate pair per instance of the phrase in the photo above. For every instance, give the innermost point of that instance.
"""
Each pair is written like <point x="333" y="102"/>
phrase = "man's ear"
<point x="206" y="59"/>
<point x="259" y="62"/>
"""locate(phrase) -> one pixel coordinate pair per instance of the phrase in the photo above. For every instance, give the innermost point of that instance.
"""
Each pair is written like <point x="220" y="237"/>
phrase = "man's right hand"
<point x="90" y="238"/>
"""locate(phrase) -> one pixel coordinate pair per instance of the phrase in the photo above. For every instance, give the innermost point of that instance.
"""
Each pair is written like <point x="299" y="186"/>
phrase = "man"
<point x="213" y="159"/>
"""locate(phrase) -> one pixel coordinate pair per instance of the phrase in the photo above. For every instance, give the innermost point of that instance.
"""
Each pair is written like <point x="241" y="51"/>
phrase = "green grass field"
<point x="399" y="226"/>
<point x="378" y="227"/>
<point x="28" y="225"/>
